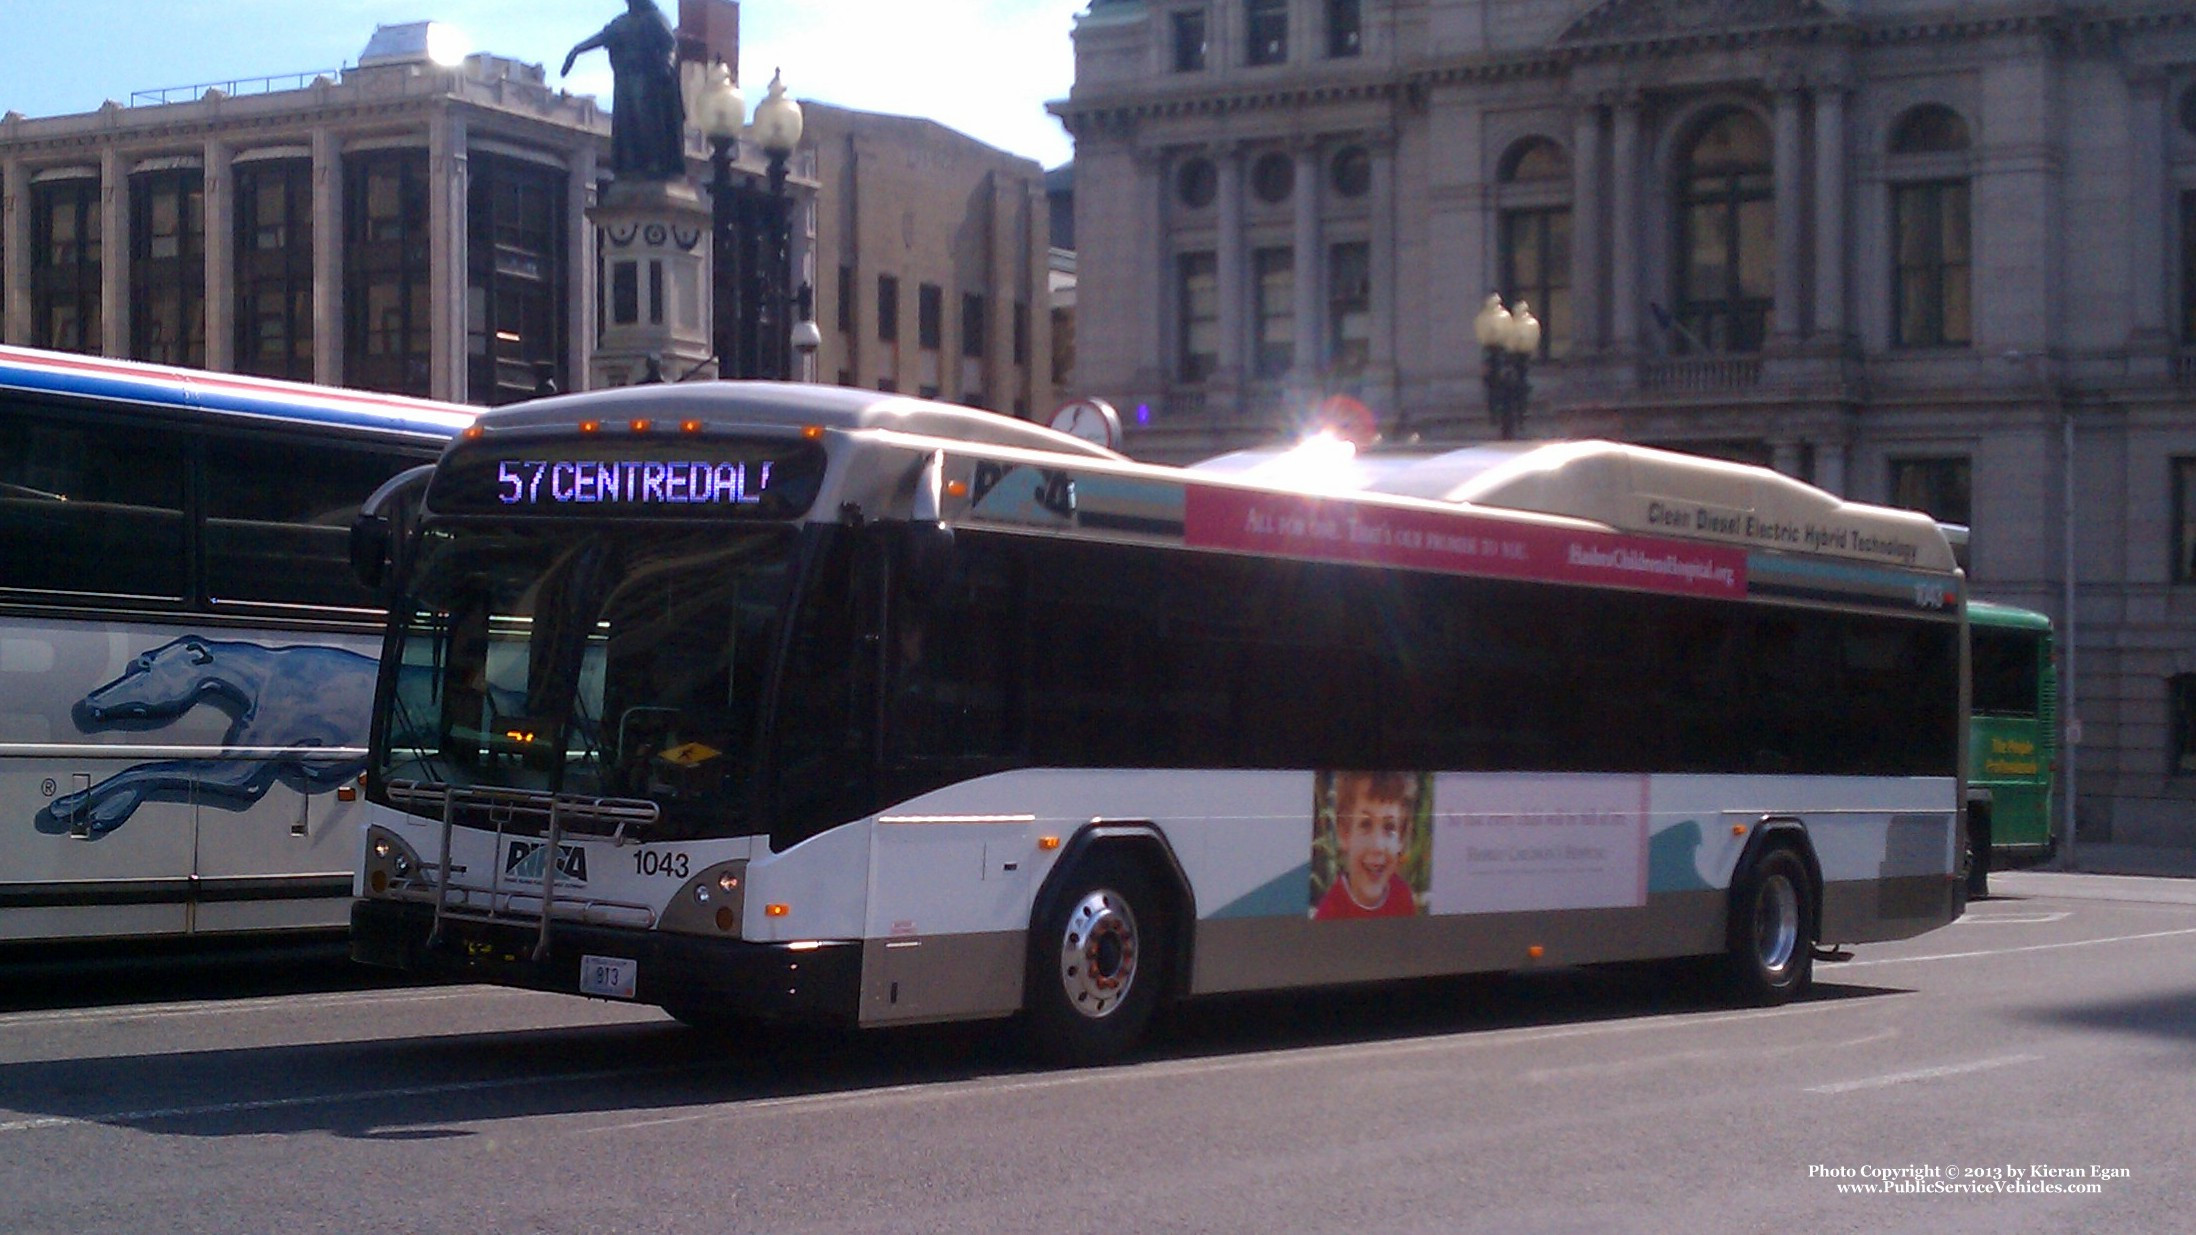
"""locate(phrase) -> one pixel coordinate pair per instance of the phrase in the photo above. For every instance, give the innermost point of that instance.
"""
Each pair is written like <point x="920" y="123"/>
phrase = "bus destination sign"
<point x="706" y="479"/>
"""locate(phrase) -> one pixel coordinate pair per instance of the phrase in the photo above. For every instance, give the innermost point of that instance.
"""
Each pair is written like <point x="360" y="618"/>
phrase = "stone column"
<point x="1830" y="224"/>
<point x="114" y="253"/>
<point x="1830" y="465"/>
<point x="327" y="258"/>
<point x="1784" y="456"/>
<point x="579" y="248"/>
<point x="1310" y="362"/>
<point x="1791" y="216"/>
<point x="1624" y="225"/>
<point x="1588" y="297"/>
<point x="220" y="219"/>
<point x="15" y="233"/>
<point x="2148" y="207"/>
<point x="448" y="319"/>
<point x="1232" y="262"/>
<point x="1157" y="364"/>
<point x="1385" y="294"/>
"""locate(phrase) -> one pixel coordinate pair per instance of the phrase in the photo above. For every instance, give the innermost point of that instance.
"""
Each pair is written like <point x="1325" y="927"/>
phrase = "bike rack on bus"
<point x="561" y="812"/>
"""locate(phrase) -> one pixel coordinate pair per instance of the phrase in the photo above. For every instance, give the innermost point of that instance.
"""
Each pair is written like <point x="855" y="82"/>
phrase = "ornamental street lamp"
<point x="1510" y="340"/>
<point x="752" y="299"/>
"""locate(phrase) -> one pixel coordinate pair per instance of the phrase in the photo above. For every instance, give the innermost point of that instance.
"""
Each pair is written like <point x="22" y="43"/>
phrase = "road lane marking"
<point x="2031" y="947"/>
<point x="1924" y="1074"/>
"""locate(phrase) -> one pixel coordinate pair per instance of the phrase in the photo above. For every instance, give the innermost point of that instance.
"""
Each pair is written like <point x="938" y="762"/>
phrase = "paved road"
<point x="2053" y="1028"/>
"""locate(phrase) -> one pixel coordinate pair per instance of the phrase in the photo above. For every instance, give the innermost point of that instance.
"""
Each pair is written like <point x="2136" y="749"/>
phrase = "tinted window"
<point x="278" y="520"/>
<point x="2005" y="665"/>
<point x="90" y="506"/>
<point x="1154" y="658"/>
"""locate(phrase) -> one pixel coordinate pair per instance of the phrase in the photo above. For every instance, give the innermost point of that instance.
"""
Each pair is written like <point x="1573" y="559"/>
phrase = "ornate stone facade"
<point x="1930" y="251"/>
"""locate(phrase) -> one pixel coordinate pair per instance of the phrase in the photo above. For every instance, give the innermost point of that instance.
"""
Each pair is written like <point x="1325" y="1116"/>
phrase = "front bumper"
<point x="770" y="980"/>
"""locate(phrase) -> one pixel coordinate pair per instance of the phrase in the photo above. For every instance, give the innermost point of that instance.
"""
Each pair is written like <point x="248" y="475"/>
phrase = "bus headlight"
<point x="711" y="903"/>
<point x="389" y="861"/>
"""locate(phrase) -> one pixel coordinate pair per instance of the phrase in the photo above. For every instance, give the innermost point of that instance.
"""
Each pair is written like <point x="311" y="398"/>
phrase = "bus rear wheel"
<point x="1771" y="945"/>
<point x="1096" y="964"/>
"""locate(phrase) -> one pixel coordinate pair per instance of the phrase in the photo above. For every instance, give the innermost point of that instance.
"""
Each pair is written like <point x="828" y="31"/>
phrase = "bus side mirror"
<point x="377" y="533"/>
<point x="370" y="537"/>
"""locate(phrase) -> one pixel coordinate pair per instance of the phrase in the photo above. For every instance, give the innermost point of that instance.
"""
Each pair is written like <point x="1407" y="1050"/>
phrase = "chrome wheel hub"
<point x="1776" y="924"/>
<point x="1098" y="953"/>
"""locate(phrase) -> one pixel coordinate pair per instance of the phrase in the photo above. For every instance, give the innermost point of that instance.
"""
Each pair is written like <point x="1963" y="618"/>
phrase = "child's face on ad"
<point x="1370" y="835"/>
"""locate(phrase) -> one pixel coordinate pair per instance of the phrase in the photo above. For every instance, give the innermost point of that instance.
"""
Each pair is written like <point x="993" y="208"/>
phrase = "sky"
<point x="984" y="67"/>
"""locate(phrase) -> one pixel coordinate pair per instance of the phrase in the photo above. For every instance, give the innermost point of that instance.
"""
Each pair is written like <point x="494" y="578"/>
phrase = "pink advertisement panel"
<point x="1339" y="530"/>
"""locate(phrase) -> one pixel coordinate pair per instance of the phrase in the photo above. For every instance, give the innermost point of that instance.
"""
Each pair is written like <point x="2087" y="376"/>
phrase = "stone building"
<point x="402" y="225"/>
<point x="930" y="262"/>
<point x="418" y="225"/>
<point x="1939" y="253"/>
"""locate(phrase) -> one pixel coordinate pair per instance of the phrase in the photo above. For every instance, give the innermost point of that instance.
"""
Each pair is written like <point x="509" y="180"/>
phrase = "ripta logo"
<point x="523" y="862"/>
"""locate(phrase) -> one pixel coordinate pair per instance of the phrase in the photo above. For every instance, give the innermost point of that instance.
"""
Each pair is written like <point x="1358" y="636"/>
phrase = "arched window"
<point x="1726" y="241"/>
<point x="1534" y="237"/>
<point x="1931" y="255"/>
<point x="1931" y="128"/>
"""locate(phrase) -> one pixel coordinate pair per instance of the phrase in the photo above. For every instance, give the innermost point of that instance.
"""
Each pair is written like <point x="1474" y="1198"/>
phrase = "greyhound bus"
<point x="761" y="702"/>
<point x="186" y="657"/>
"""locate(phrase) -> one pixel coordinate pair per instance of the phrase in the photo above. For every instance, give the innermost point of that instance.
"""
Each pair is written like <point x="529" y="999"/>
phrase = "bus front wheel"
<point x="1096" y="964"/>
<point x="1770" y="957"/>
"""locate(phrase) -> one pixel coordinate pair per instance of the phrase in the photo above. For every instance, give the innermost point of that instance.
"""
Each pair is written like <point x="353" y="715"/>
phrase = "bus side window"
<point x="90" y="505"/>
<point x="953" y="658"/>
<point x="825" y="732"/>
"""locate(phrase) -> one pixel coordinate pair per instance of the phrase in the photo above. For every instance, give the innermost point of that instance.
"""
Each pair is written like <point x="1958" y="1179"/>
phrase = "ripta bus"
<point x="760" y="701"/>
<point x="186" y="656"/>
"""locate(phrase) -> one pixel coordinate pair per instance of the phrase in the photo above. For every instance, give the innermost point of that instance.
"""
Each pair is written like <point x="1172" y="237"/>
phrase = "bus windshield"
<point x="623" y="662"/>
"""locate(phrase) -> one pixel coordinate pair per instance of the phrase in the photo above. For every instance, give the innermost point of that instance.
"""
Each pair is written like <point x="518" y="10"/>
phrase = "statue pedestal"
<point x="655" y="279"/>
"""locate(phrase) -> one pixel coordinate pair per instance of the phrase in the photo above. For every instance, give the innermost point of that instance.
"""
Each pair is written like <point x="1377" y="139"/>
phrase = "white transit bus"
<point x="757" y="701"/>
<point x="186" y="658"/>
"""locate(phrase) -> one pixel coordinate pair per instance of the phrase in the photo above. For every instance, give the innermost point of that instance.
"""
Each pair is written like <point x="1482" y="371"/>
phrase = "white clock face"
<point x="1090" y="420"/>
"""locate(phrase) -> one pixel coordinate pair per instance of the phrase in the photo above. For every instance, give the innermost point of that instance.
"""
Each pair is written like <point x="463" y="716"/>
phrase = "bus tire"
<point x="1978" y="853"/>
<point x="1770" y="957"/>
<point x="1096" y="965"/>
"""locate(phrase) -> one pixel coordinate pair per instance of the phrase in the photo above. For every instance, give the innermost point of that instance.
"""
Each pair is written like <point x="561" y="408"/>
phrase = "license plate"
<point x="609" y="976"/>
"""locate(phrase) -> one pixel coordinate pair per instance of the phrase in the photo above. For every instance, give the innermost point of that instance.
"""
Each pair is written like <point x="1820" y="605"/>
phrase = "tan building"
<point x="1938" y="253"/>
<point x="930" y="262"/>
<point x="416" y="227"/>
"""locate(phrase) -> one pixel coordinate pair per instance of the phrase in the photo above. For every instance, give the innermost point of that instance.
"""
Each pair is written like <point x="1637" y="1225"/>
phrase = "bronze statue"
<point x="647" y="114"/>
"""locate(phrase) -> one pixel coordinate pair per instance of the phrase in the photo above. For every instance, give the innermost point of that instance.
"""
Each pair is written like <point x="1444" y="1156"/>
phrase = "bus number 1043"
<point x="650" y="862"/>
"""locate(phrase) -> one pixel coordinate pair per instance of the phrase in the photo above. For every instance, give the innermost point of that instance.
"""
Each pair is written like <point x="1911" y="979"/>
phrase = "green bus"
<point x="2012" y="740"/>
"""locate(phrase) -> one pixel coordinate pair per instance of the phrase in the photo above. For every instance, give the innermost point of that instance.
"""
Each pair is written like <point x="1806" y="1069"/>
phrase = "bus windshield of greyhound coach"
<point x="604" y="661"/>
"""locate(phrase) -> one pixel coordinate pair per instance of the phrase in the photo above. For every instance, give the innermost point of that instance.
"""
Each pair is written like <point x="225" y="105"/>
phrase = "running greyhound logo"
<point x="284" y="703"/>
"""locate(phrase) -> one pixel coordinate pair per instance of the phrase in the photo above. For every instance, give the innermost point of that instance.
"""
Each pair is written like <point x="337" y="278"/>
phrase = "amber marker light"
<point x="590" y="426"/>
<point x="690" y="426"/>
<point x="956" y="488"/>
<point x="1048" y="843"/>
<point x="1738" y="829"/>
<point x="812" y="432"/>
<point x="472" y="433"/>
<point x="1534" y="952"/>
<point x="641" y="425"/>
<point x="776" y="911"/>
